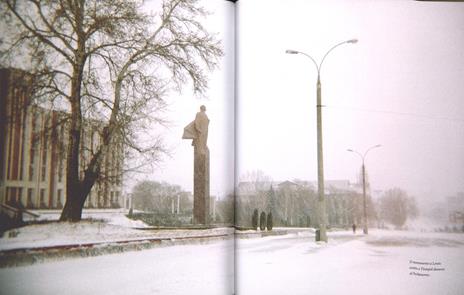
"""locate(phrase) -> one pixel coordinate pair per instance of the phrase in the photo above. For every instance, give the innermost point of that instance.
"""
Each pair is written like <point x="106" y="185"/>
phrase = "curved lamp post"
<point x="320" y="164"/>
<point x="363" y="157"/>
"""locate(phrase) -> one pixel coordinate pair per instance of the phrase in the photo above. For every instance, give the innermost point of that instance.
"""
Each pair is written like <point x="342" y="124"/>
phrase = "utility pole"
<point x="320" y="160"/>
<point x="365" y="228"/>
<point x="363" y="167"/>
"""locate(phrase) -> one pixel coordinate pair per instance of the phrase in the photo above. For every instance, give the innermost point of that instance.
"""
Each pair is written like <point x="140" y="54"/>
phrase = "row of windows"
<point x="14" y="197"/>
<point x="102" y="200"/>
<point x="37" y="149"/>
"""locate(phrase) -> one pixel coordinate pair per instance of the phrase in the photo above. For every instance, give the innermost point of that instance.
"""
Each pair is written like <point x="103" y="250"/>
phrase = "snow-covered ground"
<point x="97" y="227"/>
<point x="384" y="262"/>
<point x="183" y="269"/>
<point x="187" y="269"/>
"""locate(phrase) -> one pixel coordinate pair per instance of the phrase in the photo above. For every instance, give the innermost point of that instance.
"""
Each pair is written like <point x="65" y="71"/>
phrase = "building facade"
<point x="33" y="152"/>
<point x="295" y="203"/>
<point x="456" y="208"/>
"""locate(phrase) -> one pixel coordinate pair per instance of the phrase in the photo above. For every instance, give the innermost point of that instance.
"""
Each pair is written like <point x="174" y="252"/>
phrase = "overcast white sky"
<point x="401" y="86"/>
<point x="219" y="102"/>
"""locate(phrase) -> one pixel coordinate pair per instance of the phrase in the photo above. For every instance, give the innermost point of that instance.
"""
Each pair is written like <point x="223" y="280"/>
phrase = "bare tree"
<point x="110" y="62"/>
<point x="396" y="207"/>
<point x="256" y="184"/>
<point x="252" y="194"/>
<point x="158" y="197"/>
<point x="225" y="210"/>
<point x="255" y="181"/>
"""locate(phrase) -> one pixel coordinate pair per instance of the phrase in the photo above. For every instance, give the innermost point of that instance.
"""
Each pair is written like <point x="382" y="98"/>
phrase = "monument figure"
<point x="197" y="130"/>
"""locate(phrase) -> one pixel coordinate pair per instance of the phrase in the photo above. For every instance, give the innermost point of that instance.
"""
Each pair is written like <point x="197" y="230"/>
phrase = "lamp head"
<point x="352" y="41"/>
<point x="290" y="51"/>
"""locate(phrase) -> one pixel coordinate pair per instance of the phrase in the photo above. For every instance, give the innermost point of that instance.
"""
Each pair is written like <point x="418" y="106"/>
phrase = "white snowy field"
<point x="103" y="227"/>
<point x="384" y="262"/>
<point x="186" y="269"/>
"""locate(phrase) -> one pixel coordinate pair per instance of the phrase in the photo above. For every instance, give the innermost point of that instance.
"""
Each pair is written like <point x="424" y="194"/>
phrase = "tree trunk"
<point x="74" y="200"/>
<point x="75" y="192"/>
<point x="72" y="210"/>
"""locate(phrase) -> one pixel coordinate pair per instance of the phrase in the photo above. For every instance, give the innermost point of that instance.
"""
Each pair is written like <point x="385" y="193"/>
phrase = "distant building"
<point x="456" y="208"/>
<point x="295" y="203"/>
<point x="33" y="143"/>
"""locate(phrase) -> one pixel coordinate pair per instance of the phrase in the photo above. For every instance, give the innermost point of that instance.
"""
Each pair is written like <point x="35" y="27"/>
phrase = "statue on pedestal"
<point x="198" y="132"/>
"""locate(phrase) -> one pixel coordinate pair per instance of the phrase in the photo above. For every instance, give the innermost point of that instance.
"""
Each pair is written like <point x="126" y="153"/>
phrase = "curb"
<point x="29" y="256"/>
<point x="259" y="234"/>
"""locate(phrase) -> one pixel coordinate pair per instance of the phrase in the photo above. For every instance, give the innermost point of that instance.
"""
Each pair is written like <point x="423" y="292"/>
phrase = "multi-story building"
<point x="456" y="208"/>
<point x="295" y="203"/>
<point x="33" y="151"/>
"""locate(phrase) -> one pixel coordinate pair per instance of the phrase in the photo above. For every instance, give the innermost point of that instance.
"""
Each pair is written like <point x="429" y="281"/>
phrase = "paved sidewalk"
<point x="26" y="254"/>
<point x="106" y="232"/>
<point x="20" y="256"/>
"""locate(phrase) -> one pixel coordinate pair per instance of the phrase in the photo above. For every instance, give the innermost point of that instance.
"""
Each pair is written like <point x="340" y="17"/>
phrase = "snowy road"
<point x="186" y="269"/>
<point x="385" y="262"/>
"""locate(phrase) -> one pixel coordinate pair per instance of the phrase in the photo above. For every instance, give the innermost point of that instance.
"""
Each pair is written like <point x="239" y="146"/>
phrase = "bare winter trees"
<point x="160" y="197"/>
<point x="110" y="62"/>
<point x="396" y="207"/>
<point x="294" y="203"/>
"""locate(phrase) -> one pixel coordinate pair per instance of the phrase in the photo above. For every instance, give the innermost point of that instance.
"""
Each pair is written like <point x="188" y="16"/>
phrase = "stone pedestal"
<point x="198" y="131"/>
<point x="201" y="187"/>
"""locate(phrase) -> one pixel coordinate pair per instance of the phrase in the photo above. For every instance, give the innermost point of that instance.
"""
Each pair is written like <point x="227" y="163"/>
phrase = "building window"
<point x="116" y="199"/>
<point x="89" y="200"/>
<point x="30" y="196"/>
<point x="44" y="158"/>
<point x="19" y="197"/>
<point x="59" y="201"/>
<point x="60" y="168"/>
<point x="33" y="143"/>
<point x="52" y="202"/>
<point x="10" y="195"/>
<point x="44" y="172"/>
<point x="42" y="198"/>
<point x="31" y="162"/>
<point x="13" y="196"/>
<point x="112" y="199"/>
<point x="31" y="172"/>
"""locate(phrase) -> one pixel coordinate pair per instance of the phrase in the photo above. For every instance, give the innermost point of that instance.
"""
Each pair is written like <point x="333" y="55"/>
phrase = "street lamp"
<point x="320" y="165"/>
<point x="363" y="156"/>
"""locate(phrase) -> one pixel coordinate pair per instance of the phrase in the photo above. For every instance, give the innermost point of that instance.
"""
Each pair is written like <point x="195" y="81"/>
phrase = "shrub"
<point x="269" y="221"/>
<point x="262" y="221"/>
<point x="254" y="220"/>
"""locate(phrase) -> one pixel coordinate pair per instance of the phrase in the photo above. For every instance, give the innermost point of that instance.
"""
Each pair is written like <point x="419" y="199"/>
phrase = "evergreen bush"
<point x="262" y="221"/>
<point x="254" y="220"/>
<point x="269" y="221"/>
